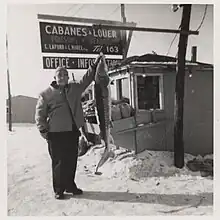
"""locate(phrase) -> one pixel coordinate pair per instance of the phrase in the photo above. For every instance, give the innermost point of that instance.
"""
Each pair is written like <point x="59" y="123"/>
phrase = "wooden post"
<point x="9" y="104"/>
<point x="128" y="41"/>
<point x="134" y="83"/>
<point x="179" y="90"/>
<point x="124" y="34"/>
<point x="9" y="90"/>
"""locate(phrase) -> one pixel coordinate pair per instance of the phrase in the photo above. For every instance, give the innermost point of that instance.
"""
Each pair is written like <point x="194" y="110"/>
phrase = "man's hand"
<point x="98" y="59"/>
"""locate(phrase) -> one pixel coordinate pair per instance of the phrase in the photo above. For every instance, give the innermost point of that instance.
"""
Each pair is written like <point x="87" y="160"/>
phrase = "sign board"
<point x="68" y="38"/>
<point x="73" y="62"/>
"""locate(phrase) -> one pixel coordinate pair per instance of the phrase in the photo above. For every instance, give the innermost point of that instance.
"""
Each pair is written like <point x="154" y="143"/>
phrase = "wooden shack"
<point x="148" y="82"/>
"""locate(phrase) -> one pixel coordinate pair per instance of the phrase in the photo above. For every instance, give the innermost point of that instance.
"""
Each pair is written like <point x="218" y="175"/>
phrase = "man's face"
<point x="61" y="77"/>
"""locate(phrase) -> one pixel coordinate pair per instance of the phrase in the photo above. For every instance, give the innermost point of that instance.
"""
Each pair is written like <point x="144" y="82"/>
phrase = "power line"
<point x="79" y="9"/>
<point x="69" y="9"/>
<point x="203" y="18"/>
<point x="171" y="44"/>
<point x="200" y="25"/>
<point x="113" y="11"/>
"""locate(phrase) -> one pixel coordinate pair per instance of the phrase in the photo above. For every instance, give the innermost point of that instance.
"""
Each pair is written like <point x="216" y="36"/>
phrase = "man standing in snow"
<point x="59" y="116"/>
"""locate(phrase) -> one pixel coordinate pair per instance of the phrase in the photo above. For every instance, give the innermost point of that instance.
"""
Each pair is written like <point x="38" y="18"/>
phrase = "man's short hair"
<point x="60" y="68"/>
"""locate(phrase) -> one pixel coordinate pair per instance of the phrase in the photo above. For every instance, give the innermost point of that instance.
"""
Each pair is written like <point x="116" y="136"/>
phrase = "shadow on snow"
<point x="204" y="199"/>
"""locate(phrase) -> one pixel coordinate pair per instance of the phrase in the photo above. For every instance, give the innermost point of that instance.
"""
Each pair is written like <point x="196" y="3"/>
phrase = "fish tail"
<point x="106" y="155"/>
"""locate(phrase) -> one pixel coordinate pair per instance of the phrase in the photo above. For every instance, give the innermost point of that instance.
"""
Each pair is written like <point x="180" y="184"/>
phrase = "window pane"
<point x="123" y="89"/>
<point x="148" y="92"/>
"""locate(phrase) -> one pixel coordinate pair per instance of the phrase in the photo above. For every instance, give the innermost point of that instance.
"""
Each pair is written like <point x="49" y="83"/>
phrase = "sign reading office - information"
<point x="68" y="38"/>
<point x="73" y="62"/>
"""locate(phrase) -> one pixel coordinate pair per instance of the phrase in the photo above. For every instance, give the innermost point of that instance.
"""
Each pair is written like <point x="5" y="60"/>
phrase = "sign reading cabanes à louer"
<point x="68" y="38"/>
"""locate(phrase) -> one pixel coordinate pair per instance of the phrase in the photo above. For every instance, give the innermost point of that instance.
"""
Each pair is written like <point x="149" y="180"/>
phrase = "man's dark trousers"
<point x="63" y="150"/>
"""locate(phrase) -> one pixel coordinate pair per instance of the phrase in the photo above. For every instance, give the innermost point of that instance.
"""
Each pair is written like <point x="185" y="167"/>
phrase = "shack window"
<point x="148" y="91"/>
<point x="123" y="89"/>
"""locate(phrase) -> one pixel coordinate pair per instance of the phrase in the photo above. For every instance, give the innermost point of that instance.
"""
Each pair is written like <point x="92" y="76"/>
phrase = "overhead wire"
<point x="173" y="40"/>
<point x="69" y="9"/>
<point x="201" y="23"/>
<point x="113" y="11"/>
<point x="171" y="44"/>
<point x="79" y="9"/>
<point x="203" y="18"/>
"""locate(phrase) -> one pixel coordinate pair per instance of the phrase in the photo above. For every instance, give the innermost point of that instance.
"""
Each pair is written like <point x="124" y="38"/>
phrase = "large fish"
<point x="103" y="106"/>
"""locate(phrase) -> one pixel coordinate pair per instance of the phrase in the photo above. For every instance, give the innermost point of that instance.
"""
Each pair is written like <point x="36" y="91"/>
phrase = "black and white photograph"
<point x="109" y="109"/>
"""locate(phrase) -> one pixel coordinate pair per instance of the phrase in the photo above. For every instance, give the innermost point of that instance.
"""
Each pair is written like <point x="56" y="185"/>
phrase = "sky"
<point x="27" y="75"/>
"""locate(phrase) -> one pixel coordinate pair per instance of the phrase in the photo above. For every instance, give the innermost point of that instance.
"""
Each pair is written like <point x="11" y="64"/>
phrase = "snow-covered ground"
<point x="146" y="184"/>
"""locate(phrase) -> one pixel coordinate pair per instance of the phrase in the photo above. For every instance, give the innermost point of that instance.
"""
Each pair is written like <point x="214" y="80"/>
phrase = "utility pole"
<point x="179" y="89"/>
<point x="126" y="40"/>
<point x="124" y="34"/>
<point x="9" y="90"/>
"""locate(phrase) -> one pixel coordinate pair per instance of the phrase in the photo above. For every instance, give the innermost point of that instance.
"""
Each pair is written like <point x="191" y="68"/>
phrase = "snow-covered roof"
<point x="153" y="60"/>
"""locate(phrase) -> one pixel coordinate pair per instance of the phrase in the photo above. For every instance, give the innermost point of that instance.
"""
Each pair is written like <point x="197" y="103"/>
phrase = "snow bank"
<point x="144" y="165"/>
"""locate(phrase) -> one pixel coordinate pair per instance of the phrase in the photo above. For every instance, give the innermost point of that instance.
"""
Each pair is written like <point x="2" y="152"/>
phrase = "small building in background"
<point x="23" y="109"/>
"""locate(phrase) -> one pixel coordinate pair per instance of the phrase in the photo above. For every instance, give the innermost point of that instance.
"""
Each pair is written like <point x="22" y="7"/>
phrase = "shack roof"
<point x="155" y="60"/>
